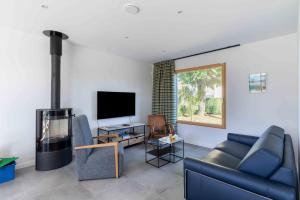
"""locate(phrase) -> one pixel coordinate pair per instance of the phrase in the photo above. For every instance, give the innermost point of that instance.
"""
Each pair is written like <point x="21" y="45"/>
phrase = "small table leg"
<point x="183" y="149"/>
<point x="98" y="135"/>
<point x="144" y="134"/>
<point x="158" y="157"/>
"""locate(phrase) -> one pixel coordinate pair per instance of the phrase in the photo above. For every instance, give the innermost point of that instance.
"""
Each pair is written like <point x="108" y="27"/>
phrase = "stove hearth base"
<point x="53" y="160"/>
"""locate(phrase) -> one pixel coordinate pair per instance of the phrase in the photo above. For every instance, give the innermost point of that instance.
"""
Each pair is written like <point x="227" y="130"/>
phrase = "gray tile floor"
<point x="139" y="181"/>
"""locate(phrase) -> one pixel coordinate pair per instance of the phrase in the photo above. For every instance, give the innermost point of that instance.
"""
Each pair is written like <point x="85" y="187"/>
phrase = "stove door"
<point x="53" y="130"/>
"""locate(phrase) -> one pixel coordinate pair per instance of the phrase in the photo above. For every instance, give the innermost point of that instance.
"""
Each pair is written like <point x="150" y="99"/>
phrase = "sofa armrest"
<point x="244" y="181"/>
<point x="243" y="139"/>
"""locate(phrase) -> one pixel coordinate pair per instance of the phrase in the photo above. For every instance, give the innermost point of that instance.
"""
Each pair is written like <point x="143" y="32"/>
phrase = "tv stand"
<point x="134" y="137"/>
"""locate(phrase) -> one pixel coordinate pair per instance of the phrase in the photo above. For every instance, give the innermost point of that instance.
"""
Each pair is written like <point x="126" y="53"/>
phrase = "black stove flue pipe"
<point x="55" y="52"/>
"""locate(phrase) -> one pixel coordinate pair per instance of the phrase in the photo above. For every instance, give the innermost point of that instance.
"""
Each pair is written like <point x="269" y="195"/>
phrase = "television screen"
<point x="115" y="104"/>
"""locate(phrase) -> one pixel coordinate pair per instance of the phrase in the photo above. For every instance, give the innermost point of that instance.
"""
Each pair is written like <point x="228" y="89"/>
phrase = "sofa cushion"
<point x="265" y="156"/>
<point x="242" y="139"/>
<point x="287" y="173"/>
<point x="222" y="158"/>
<point x="275" y="130"/>
<point x="234" y="148"/>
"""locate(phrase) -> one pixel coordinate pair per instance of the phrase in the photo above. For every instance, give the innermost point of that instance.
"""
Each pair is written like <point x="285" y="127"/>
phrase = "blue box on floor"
<point x="7" y="173"/>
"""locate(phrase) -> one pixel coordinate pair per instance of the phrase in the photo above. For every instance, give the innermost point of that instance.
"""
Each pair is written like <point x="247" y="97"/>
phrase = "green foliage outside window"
<point x="213" y="106"/>
<point x="194" y="102"/>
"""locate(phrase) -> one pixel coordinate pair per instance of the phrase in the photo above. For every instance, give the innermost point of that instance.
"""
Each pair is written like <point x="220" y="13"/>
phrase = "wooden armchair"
<point x="158" y="127"/>
<point x="90" y="157"/>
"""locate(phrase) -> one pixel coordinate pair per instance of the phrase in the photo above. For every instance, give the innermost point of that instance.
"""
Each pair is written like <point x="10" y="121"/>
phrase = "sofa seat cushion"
<point x="266" y="155"/>
<point x="222" y="158"/>
<point x="234" y="148"/>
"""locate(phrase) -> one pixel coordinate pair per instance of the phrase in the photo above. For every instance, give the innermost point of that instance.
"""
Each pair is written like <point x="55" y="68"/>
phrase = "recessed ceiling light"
<point x="44" y="6"/>
<point x="132" y="9"/>
<point x="179" y="11"/>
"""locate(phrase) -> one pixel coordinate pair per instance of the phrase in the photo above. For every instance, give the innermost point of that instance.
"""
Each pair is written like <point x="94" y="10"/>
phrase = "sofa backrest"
<point x="287" y="173"/>
<point x="266" y="155"/>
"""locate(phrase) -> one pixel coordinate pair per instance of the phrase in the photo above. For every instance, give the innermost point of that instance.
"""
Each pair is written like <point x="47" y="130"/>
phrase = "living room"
<point x="156" y="89"/>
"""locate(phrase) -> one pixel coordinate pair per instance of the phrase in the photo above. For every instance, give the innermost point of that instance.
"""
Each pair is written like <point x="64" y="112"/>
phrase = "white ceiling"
<point x="158" y="32"/>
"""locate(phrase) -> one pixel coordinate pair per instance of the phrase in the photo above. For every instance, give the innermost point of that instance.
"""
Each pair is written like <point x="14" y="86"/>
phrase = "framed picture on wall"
<point x="257" y="83"/>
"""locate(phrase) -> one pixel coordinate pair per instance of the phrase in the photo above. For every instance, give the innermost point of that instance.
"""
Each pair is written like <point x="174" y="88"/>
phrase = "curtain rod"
<point x="228" y="47"/>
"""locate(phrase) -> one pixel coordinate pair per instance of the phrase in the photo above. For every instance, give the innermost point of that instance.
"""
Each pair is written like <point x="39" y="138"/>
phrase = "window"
<point x="201" y="93"/>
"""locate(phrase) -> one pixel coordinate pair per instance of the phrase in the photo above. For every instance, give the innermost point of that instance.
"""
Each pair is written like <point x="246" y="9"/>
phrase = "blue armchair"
<point x="95" y="161"/>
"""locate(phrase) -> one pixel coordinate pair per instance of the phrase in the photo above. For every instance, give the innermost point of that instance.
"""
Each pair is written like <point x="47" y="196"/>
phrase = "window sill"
<point x="221" y="126"/>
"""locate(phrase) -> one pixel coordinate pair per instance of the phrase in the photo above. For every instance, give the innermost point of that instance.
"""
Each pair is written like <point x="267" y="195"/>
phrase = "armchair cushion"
<point x="83" y="132"/>
<point x="101" y="164"/>
<point x="234" y="148"/>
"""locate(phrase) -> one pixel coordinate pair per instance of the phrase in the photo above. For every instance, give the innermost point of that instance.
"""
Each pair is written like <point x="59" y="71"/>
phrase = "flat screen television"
<point x="115" y="104"/>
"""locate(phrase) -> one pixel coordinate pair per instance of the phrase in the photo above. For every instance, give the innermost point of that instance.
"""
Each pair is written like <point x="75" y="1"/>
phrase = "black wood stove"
<point x="54" y="126"/>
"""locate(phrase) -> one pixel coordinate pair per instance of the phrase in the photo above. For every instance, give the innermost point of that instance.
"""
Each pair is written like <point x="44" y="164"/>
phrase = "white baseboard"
<point x="25" y="164"/>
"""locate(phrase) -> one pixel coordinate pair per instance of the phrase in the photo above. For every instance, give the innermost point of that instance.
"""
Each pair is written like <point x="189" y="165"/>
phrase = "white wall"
<point x="298" y="89"/>
<point x="25" y="76"/>
<point x="25" y="86"/>
<point x="253" y="113"/>
<point x="94" y="71"/>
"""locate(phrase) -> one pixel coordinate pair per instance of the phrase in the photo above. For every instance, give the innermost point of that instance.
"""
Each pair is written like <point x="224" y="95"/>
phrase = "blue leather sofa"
<point x="245" y="168"/>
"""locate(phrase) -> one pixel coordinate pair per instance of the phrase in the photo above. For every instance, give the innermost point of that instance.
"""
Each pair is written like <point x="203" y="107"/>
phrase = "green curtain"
<point x="164" y="98"/>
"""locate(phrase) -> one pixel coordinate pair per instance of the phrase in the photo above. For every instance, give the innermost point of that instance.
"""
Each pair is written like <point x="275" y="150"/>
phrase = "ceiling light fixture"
<point x="132" y="9"/>
<point x="44" y="6"/>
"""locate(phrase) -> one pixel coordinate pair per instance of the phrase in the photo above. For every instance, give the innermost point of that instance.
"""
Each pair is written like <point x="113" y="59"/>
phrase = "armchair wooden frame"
<point x="110" y="144"/>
